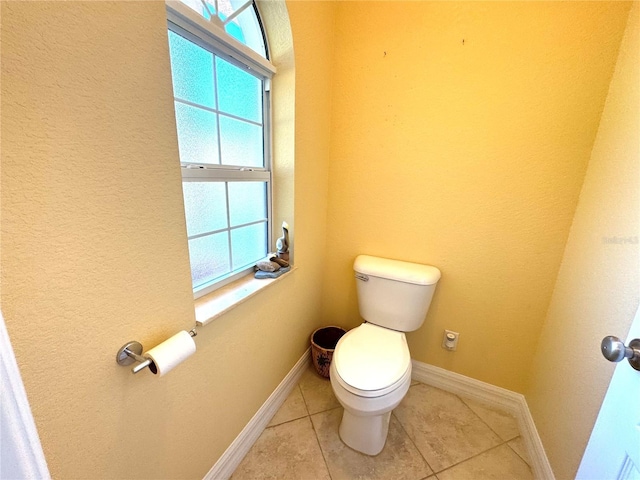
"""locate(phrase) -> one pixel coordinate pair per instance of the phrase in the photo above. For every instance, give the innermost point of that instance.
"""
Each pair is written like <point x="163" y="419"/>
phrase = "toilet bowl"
<point x="370" y="375"/>
<point x="371" y="368"/>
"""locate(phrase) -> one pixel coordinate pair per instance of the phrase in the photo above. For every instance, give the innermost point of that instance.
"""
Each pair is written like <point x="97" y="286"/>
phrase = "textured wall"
<point x="461" y="132"/>
<point x="467" y="156"/>
<point x="94" y="249"/>
<point x="598" y="287"/>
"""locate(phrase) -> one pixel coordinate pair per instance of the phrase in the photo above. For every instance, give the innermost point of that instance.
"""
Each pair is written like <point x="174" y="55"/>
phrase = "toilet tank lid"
<point x="396" y="270"/>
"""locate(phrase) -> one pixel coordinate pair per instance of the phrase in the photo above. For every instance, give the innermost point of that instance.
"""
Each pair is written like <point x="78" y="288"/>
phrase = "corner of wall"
<point x="598" y="286"/>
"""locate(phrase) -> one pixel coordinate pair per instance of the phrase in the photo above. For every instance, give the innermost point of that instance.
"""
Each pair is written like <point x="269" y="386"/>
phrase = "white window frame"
<point x="183" y="21"/>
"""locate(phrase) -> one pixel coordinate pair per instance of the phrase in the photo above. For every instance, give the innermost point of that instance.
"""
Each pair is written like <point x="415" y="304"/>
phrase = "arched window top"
<point x="239" y="18"/>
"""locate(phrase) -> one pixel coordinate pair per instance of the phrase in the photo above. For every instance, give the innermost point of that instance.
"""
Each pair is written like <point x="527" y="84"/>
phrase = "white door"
<point x="613" y="451"/>
<point x="21" y="454"/>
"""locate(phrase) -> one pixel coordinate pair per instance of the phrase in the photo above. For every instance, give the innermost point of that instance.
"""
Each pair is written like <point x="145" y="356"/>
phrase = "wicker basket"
<point x="323" y="343"/>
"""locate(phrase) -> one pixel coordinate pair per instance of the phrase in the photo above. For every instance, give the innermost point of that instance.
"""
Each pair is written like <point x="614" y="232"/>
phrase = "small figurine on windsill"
<point x="282" y="244"/>
<point x="276" y="266"/>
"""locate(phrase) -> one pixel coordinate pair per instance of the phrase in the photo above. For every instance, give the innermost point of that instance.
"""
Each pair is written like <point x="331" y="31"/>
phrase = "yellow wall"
<point x="598" y="287"/>
<point x="461" y="132"/>
<point x="94" y="252"/>
<point x="408" y="144"/>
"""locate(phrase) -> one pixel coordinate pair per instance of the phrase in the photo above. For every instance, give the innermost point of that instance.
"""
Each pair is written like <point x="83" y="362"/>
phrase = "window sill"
<point x="219" y="302"/>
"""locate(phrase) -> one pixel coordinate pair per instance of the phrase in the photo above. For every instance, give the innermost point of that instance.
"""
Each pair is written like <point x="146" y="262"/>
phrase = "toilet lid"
<point x="372" y="358"/>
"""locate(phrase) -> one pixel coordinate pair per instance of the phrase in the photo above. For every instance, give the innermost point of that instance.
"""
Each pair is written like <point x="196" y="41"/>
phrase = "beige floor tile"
<point x="443" y="428"/>
<point x="286" y="452"/>
<point x="500" y="422"/>
<point x="398" y="460"/>
<point x="292" y="408"/>
<point x="518" y="446"/>
<point x="499" y="463"/>
<point x="317" y="392"/>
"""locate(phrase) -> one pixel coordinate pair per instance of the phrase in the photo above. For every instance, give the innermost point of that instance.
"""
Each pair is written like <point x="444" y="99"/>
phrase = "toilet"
<point x="371" y="367"/>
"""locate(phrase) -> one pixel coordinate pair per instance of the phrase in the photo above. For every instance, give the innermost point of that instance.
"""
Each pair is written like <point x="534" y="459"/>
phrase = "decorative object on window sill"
<point x="267" y="266"/>
<point x="272" y="268"/>
<point x="263" y="274"/>
<point x="280" y="261"/>
<point x="163" y="357"/>
<point x="282" y="244"/>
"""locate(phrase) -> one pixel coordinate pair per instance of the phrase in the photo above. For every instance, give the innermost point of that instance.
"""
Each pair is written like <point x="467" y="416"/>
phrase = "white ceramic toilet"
<point x="371" y="366"/>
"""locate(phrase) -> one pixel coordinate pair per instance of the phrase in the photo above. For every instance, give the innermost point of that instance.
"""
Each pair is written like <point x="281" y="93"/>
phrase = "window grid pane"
<point x="231" y="134"/>
<point x="241" y="143"/>
<point x="248" y="245"/>
<point x="227" y="227"/>
<point x="192" y="71"/>
<point x="239" y="92"/>
<point x="247" y="202"/>
<point x="197" y="135"/>
<point x="209" y="257"/>
<point x="205" y="205"/>
<point x="220" y="113"/>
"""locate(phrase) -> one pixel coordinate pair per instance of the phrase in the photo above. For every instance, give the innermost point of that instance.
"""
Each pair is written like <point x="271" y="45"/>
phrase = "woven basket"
<point x="323" y="343"/>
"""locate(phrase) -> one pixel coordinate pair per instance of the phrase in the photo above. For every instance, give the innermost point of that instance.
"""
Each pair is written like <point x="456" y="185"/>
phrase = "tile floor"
<point x="433" y="435"/>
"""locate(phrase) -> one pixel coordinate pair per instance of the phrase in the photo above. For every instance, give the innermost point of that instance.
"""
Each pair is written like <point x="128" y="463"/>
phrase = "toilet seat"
<point x="372" y="361"/>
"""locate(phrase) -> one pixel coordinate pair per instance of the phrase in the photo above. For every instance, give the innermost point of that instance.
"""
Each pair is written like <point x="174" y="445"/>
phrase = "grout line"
<point x="433" y="472"/>
<point x="326" y="464"/>
<point x="502" y="442"/>
<point x="481" y="453"/>
<point x="304" y="402"/>
<point x="466" y="459"/>
<point x="287" y="421"/>
<point x="515" y="451"/>
<point x="306" y="406"/>
<point x="487" y="424"/>
<point x="319" y="411"/>
<point x="479" y="417"/>
<point x="292" y="419"/>
<point x="413" y="442"/>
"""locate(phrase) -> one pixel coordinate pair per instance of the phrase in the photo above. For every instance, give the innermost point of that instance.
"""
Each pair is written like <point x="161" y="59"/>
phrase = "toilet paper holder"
<point x="131" y="352"/>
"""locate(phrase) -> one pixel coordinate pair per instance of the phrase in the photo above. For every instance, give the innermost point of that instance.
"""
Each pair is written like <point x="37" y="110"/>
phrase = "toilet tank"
<point x="394" y="294"/>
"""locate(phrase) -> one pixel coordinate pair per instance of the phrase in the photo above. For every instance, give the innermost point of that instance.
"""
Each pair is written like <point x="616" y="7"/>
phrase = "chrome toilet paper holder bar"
<point x="131" y="352"/>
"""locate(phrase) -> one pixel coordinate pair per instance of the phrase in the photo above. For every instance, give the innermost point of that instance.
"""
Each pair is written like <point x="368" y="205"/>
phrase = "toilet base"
<point x="365" y="434"/>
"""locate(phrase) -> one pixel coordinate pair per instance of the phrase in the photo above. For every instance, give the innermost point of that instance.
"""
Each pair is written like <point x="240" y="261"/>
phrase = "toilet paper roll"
<point x="171" y="353"/>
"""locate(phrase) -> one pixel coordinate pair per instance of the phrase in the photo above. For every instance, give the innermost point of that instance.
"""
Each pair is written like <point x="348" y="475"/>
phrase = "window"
<point x="221" y="79"/>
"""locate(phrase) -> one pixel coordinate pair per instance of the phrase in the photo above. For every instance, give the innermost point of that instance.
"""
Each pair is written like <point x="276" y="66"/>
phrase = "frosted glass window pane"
<point x="247" y="202"/>
<point x="197" y="6"/>
<point x="245" y="27"/>
<point x="241" y="143"/>
<point x="209" y="258"/>
<point x="248" y="24"/>
<point x="192" y="71"/>
<point x="227" y="7"/>
<point x="239" y="93"/>
<point x="205" y="206"/>
<point x="208" y="10"/>
<point x="197" y="134"/>
<point x="235" y="31"/>
<point x="248" y="245"/>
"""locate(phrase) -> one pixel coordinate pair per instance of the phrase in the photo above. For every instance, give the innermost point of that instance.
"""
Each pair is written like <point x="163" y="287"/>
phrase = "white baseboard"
<point x="231" y="458"/>
<point x="506" y="400"/>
